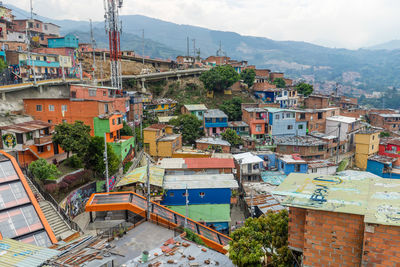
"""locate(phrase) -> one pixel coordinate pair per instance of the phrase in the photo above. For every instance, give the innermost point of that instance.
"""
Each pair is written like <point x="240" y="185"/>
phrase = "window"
<point x="302" y="116"/>
<point x="64" y="108"/>
<point x="49" y="121"/>
<point x="30" y="25"/>
<point x="319" y="115"/>
<point x="313" y="170"/>
<point x="92" y="92"/>
<point x="373" y="137"/>
<point x="104" y="93"/>
<point x="45" y="27"/>
<point x="38" y="107"/>
<point x="372" y="147"/>
<point x="113" y="121"/>
<point x="297" y="167"/>
<point x="277" y="116"/>
<point x="29" y="136"/>
<point x="290" y="127"/>
<point x="106" y="108"/>
<point x="51" y="107"/>
<point x="300" y="126"/>
<point x="40" y="149"/>
<point x="37" y="25"/>
<point x="296" y="149"/>
<point x="119" y="120"/>
<point x="20" y="139"/>
<point x="202" y="194"/>
<point x="258" y="128"/>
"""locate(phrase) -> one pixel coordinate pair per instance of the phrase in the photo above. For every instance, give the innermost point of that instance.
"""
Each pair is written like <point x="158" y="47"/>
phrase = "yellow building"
<point x="161" y="106"/>
<point x="160" y="141"/>
<point x="367" y="144"/>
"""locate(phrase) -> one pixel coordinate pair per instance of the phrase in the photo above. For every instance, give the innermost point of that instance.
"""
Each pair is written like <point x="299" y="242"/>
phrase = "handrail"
<point x="73" y="225"/>
<point x="138" y="204"/>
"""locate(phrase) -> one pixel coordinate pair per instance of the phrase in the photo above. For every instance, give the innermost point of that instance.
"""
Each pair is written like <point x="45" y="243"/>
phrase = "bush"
<point x="74" y="162"/>
<point x="51" y="188"/>
<point x="43" y="170"/>
<point x="190" y="235"/>
<point x="127" y="166"/>
<point x="72" y="178"/>
<point x="62" y="185"/>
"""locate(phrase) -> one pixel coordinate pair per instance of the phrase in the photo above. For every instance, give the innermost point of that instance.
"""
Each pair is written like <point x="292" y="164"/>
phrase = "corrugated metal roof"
<point x="213" y="141"/>
<point x="246" y="158"/>
<point x="215" y="113"/>
<point x="15" y="253"/>
<point x="200" y="181"/>
<point x="211" y="163"/>
<point x="195" y="107"/>
<point x="25" y="127"/>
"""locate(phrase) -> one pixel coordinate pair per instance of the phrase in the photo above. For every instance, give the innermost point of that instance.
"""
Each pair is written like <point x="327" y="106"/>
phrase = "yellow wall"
<point x="149" y="137"/>
<point x="366" y="146"/>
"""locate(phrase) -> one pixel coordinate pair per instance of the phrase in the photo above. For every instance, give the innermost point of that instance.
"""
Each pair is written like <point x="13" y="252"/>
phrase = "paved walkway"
<point x="237" y="215"/>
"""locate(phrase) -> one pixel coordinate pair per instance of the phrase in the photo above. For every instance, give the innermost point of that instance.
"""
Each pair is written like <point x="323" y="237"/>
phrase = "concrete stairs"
<point x="60" y="228"/>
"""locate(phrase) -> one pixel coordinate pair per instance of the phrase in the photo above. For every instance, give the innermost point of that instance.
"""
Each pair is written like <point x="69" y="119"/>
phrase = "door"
<point x="55" y="148"/>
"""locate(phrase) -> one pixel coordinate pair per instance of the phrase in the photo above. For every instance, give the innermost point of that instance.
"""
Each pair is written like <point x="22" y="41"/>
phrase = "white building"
<point x="349" y="126"/>
<point x="51" y="29"/>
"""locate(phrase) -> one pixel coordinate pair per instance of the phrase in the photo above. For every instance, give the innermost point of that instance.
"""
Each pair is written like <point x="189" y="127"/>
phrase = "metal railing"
<point x="73" y="225"/>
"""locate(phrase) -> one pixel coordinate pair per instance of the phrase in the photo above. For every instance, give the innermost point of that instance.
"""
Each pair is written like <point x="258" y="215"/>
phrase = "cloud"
<point x="341" y="23"/>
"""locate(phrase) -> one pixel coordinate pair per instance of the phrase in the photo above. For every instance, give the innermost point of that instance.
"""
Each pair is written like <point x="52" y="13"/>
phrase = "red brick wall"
<point x="332" y="239"/>
<point x="316" y="102"/>
<point x="381" y="245"/>
<point x="204" y="146"/>
<point x="297" y="218"/>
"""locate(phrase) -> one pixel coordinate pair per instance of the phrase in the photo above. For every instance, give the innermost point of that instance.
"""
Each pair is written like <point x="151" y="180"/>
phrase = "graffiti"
<point x="321" y="190"/>
<point x="9" y="140"/>
<point x="75" y="203"/>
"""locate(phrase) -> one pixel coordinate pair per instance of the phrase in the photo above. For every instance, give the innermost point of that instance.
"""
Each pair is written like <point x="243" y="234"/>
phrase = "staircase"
<point x="58" y="225"/>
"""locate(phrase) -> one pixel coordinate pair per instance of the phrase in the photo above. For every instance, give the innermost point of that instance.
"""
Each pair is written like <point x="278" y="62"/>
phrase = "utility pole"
<point x="93" y="53"/>
<point x="187" y="46"/>
<point x="187" y="206"/>
<point x="143" y="47"/>
<point x="106" y="162"/>
<point x="28" y="35"/>
<point x="251" y="204"/>
<point x="194" y="47"/>
<point x="148" y="189"/>
<point x="338" y="144"/>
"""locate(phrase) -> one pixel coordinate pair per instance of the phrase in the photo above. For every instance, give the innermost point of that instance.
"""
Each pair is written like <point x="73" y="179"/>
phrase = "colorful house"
<point x="110" y="125"/>
<point x="383" y="166"/>
<point x="257" y="119"/>
<point x="282" y="122"/>
<point x="160" y="141"/>
<point x="367" y="144"/>
<point x="390" y="147"/>
<point x="196" y="109"/>
<point x="163" y="105"/>
<point x="213" y="144"/>
<point x="240" y="127"/>
<point x="215" y="122"/>
<point x="248" y="166"/>
<point x="29" y="141"/>
<point x="206" y="195"/>
<point x="21" y="217"/>
<point x="292" y="163"/>
<point x="68" y="40"/>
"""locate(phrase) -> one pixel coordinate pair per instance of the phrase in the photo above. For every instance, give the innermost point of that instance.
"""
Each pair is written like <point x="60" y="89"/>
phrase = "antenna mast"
<point x="114" y="29"/>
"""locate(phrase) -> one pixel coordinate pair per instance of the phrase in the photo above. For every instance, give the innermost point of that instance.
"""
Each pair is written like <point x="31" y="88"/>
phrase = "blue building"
<point x="383" y="167"/>
<point x="69" y="40"/>
<point x="292" y="163"/>
<point x="215" y="122"/>
<point x="283" y="122"/>
<point x="206" y="194"/>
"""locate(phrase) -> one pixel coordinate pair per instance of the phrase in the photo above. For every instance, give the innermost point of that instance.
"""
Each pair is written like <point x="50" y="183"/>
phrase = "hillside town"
<point x="113" y="158"/>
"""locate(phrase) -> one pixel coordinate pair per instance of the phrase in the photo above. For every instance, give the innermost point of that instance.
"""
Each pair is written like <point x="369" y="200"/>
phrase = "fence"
<point x="48" y="197"/>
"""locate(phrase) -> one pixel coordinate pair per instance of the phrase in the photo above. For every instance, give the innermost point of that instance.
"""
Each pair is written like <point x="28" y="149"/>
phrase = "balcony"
<point x="41" y="63"/>
<point x="44" y="140"/>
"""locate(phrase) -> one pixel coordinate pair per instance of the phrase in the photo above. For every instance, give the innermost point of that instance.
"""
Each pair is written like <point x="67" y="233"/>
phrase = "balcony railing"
<point x="43" y="140"/>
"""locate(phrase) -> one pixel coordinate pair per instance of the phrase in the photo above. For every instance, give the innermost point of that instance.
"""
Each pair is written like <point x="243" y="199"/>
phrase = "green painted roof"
<point x="206" y="212"/>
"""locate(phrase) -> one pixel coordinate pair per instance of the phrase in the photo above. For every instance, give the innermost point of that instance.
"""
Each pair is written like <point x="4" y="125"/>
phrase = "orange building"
<point x="59" y="110"/>
<point x="29" y="141"/>
<point x="257" y="120"/>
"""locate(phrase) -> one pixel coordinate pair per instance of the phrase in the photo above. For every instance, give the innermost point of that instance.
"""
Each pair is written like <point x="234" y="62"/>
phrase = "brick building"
<point x="262" y="75"/>
<point x="257" y="119"/>
<point x="390" y="122"/>
<point x="216" y="60"/>
<point x="363" y="230"/>
<point x="316" y="101"/>
<point x="308" y="147"/>
<point x="213" y="144"/>
<point x="316" y="118"/>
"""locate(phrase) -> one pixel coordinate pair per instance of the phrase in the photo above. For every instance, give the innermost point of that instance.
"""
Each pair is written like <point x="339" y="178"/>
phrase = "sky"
<point x="348" y="24"/>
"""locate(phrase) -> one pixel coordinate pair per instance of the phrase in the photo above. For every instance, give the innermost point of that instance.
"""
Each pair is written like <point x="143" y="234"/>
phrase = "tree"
<point x="3" y="65"/>
<point x="248" y="76"/>
<point x="232" y="137"/>
<point x="280" y="83"/>
<point x="263" y="236"/>
<point x="43" y="170"/>
<point x="304" y="89"/>
<point x="72" y="137"/>
<point x="219" y="78"/>
<point x="94" y="157"/>
<point x="232" y="108"/>
<point x="126" y="130"/>
<point x="189" y="125"/>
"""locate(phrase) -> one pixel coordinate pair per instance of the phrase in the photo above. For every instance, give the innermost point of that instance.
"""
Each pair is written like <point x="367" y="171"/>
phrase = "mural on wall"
<point x="74" y="204"/>
<point x="9" y="140"/>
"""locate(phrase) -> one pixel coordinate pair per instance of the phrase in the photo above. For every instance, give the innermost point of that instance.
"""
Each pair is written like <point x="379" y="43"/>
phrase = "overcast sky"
<point x="334" y="23"/>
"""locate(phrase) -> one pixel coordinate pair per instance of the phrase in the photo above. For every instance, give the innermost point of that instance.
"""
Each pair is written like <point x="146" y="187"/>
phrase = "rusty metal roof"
<point x="26" y="127"/>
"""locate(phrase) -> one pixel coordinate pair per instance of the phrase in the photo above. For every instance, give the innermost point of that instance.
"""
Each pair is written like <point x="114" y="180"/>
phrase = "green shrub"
<point x="190" y="235"/>
<point x="127" y="166"/>
<point x="43" y="170"/>
<point x="74" y="162"/>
